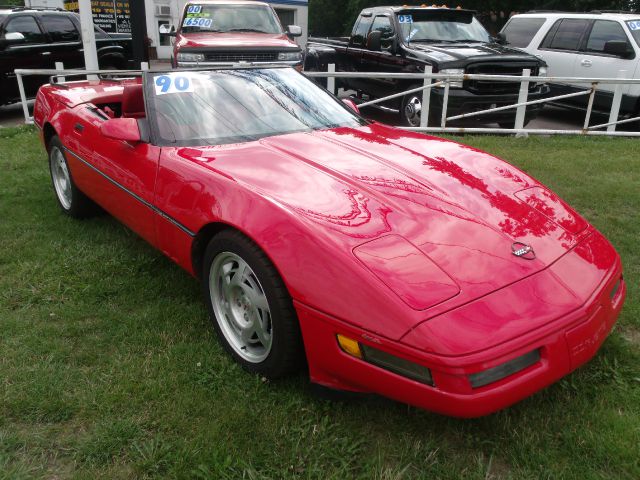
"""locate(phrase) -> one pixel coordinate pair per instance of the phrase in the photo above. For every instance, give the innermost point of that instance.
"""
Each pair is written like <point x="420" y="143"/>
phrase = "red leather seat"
<point x="133" y="102"/>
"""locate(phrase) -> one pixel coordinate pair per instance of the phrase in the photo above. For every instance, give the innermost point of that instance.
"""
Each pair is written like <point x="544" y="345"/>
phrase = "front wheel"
<point x="411" y="110"/>
<point x="250" y="306"/>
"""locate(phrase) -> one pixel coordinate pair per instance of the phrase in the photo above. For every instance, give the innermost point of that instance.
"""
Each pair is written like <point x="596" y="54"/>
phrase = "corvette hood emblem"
<point x="522" y="250"/>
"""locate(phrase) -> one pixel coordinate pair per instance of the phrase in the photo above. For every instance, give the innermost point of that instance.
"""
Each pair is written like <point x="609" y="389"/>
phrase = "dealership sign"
<point x="112" y="16"/>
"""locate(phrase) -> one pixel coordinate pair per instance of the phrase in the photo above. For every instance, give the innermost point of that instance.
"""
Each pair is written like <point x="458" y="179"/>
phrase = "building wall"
<point x="44" y="3"/>
<point x="171" y="16"/>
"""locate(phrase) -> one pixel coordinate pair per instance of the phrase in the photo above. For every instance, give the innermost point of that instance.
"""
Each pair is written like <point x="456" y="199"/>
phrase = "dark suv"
<point x="35" y="38"/>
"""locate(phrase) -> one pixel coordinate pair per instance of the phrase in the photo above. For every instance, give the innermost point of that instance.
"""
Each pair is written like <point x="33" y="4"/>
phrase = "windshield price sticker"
<point x="197" y="22"/>
<point x="405" y="18"/>
<point x="166" y="84"/>
<point x="194" y="9"/>
<point x="634" y="25"/>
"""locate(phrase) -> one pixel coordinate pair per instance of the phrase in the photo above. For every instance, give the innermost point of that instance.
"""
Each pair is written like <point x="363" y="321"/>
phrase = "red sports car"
<point x="393" y="262"/>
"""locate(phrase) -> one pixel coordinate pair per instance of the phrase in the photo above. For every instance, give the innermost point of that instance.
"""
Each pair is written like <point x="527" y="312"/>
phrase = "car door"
<point x="560" y="50"/>
<point x="594" y="62"/>
<point x="119" y="175"/>
<point x="66" y="43"/>
<point x="31" y="52"/>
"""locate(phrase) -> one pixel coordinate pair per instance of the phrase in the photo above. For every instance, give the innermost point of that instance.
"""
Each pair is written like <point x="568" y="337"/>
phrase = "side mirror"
<point x="351" y="104"/>
<point x="13" y="37"/>
<point x="501" y="38"/>
<point x="619" y="48"/>
<point x="294" y="31"/>
<point x="374" y="41"/>
<point x="125" y="129"/>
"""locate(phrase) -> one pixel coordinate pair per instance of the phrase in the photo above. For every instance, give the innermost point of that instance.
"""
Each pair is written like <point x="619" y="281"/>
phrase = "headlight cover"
<point x="190" y="57"/>
<point x="453" y="71"/>
<point x="290" y="56"/>
<point x="543" y="71"/>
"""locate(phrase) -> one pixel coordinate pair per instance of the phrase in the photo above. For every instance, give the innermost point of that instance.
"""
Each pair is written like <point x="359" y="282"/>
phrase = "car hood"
<point x="451" y="52"/>
<point x="462" y="209"/>
<point x="234" y="40"/>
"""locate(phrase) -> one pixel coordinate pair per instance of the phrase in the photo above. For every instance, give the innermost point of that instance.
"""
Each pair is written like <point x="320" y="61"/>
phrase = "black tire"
<point x="70" y="199"/>
<point x="286" y="353"/>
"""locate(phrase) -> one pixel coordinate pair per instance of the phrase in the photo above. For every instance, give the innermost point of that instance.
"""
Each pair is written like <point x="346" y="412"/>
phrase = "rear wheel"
<point x="250" y="307"/>
<point x="71" y="200"/>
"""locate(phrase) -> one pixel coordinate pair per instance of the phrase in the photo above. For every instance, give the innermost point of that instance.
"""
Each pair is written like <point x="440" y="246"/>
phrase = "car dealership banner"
<point x="112" y="16"/>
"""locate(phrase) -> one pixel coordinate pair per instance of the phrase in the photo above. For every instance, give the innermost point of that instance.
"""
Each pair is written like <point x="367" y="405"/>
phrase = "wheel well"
<point x="201" y="241"/>
<point x="49" y="132"/>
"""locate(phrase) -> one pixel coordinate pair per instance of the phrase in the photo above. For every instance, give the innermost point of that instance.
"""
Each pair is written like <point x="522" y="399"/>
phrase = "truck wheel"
<point x="411" y="110"/>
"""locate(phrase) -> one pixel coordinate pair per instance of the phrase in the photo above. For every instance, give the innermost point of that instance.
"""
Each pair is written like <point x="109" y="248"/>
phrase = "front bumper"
<point x="564" y="345"/>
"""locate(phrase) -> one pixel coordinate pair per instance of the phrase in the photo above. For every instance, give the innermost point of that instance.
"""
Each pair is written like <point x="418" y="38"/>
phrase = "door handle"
<point x="45" y="53"/>
<point x="586" y="63"/>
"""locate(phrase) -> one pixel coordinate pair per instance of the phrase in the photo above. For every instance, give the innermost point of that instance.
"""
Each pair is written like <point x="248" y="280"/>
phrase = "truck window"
<point x="602" y="32"/>
<point x="382" y="24"/>
<point x="441" y="26"/>
<point x="361" y="31"/>
<point x="520" y="31"/>
<point x="230" y="18"/>
<point x="634" y="26"/>
<point x="566" y="34"/>
<point x="27" y="26"/>
<point x="61" y="28"/>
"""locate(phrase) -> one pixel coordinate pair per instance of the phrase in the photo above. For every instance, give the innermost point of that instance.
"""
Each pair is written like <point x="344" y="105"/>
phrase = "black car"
<point x="37" y="38"/>
<point x="451" y="40"/>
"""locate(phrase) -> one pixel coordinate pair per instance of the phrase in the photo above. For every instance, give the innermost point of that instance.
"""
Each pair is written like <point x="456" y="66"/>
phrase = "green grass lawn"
<point x="109" y="367"/>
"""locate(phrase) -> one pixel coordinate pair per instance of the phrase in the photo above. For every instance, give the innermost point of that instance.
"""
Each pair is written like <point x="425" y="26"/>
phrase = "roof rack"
<point x="18" y="8"/>
<point x="597" y="12"/>
<point x="614" y="11"/>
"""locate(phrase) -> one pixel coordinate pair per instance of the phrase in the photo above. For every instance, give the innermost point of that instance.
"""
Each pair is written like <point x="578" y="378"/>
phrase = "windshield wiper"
<point x="246" y="30"/>
<point x="430" y="40"/>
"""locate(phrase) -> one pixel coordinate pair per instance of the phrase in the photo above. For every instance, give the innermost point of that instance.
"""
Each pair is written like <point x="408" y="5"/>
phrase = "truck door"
<point x="355" y="51"/>
<point x="383" y="60"/>
<point x="66" y="43"/>
<point x="560" y="50"/>
<point x="595" y="62"/>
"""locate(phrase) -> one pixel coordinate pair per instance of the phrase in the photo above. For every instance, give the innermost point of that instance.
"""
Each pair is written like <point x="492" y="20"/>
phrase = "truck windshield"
<point x="634" y="26"/>
<point x="230" y="18"/>
<point x="235" y="106"/>
<point x="441" y="26"/>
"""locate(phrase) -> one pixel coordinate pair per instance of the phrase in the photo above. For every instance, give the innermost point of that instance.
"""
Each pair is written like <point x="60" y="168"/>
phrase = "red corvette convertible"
<point x="392" y="262"/>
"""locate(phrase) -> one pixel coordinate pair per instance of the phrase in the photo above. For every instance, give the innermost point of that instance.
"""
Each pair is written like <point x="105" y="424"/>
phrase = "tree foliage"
<point x="331" y="17"/>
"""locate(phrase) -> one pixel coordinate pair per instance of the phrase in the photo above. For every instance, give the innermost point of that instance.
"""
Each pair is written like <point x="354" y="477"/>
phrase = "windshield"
<point x="234" y="106"/>
<point x="634" y="26"/>
<point x="441" y="26"/>
<point x="230" y="18"/>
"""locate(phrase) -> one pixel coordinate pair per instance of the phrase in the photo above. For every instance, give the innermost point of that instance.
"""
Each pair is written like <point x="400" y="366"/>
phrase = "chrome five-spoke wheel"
<point x="61" y="178"/>
<point x="250" y="306"/>
<point x="241" y="307"/>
